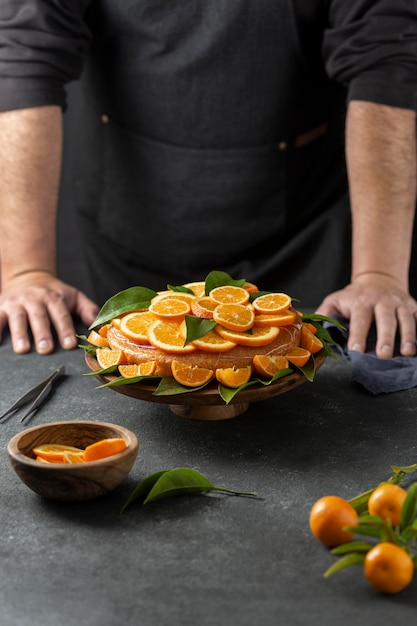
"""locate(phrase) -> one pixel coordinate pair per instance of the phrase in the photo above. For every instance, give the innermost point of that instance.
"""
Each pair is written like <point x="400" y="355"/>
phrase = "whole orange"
<point x="386" y="501"/>
<point x="328" y="517"/>
<point x="388" y="568"/>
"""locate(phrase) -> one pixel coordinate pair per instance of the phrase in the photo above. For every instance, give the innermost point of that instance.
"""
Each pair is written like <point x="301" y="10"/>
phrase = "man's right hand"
<point x="33" y="304"/>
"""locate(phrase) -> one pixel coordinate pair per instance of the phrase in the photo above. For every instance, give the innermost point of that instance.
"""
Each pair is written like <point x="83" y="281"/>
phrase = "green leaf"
<point x="352" y="546"/>
<point x="117" y="382"/>
<point x="197" y="327"/>
<point x="169" y="387"/>
<point x="408" y="469"/>
<point x="218" y="278"/>
<point x="316" y="317"/>
<point x="409" y="507"/>
<point x="227" y="393"/>
<point x="309" y="369"/>
<point x="354" y="558"/>
<point x="102" y="372"/>
<point x="142" y="489"/>
<point x="131" y="299"/>
<point x="180" y="288"/>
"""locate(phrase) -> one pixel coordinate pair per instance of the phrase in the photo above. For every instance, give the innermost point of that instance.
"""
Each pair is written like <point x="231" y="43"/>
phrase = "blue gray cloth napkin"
<point x="375" y="374"/>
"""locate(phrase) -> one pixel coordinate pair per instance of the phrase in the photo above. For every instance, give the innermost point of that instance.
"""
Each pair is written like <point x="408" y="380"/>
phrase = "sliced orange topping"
<point x="138" y="369"/>
<point x="97" y="340"/>
<point x="310" y="327"/>
<point x="169" y="308"/>
<point x="298" y="356"/>
<point x="198" y="287"/>
<point x="278" y="319"/>
<point x="229" y="294"/>
<point x="250" y="287"/>
<point x="260" y="336"/>
<point x="309" y="341"/>
<point x="107" y="358"/>
<point x="268" y="365"/>
<point x="234" y="316"/>
<point x="213" y="342"/>
<point x="203" y="307"/>
<point x="116" y="321"/>
<point x="135" y="325"/>
<point x="179" y="295"/>
<point x="272" y="303"/>
<point x="190" y="375"/>
<point x="104" y="448"/>
<point x="54" y="452"/>
<point x="233" y="377"/>
<point x="169" y="336"/>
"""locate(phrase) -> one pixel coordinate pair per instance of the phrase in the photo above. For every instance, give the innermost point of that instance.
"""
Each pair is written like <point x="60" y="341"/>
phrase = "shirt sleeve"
<point x="370" y="46"/>
<point x="42" y="47"/>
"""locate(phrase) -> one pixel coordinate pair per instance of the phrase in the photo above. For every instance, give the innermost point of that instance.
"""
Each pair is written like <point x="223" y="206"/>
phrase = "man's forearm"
<point x="30" y="166"/>
<point x="381" y="158"/>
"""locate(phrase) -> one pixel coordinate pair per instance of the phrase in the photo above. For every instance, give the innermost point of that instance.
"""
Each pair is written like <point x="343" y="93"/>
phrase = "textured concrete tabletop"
<point x="208" y="559"/>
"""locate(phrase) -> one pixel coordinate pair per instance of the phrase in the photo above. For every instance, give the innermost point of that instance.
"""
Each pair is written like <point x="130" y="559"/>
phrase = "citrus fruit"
<point x="310" y="327"/>
<point x="190" y="375"/>
<point x="148" y="368"/>
<point x="135" y="325"/>
<point x="197" y="287"/>
<point x="309" y="341"/>
<point x="277" y="319"/>
<point x="298" y="356"/>
<point x="261" y="336"/>
<point x="234" y="316"/>
<point x="213" y="342"/>
<point x="169" y="336"/>
<point x="73" y="457"/>
<point x="98" y="340"/>
<point x="233" y="376"/>
<point x="272" y="303"/>
<point x="388" y="568"/>
<point x="328" y="518"/>
<point x="386" y="501"/>
<point x="107" y="358"/>
<point x="104" y="448"/>
<point x="250" y="287"/>
<point x="54" y="452"/>
<point x="203" y="307"/>
<point x="267" y="365"/>
<point x="169" y="308"/>
<point x="229" y="294"/>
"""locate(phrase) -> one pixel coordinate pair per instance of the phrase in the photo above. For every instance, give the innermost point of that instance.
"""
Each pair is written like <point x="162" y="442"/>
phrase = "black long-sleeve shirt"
<point x="370" y="46"/>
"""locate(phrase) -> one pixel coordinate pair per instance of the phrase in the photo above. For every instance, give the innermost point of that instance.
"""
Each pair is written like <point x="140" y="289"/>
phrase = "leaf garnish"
<point x="169" y="387"/>
<point x="180" y="289"/>
<point x="134" y="298"/>
<point x="128" y="381"/>
<point x="197" y="327"/>
<point x="218" y="278"/>
<point x="227" y="393"/>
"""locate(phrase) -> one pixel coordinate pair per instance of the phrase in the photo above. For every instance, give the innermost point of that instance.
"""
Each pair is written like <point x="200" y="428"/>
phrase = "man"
<point x="213" y="138"/>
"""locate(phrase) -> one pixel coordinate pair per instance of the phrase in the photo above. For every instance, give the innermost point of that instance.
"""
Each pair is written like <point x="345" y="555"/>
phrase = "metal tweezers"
<point x="38" y="394"/>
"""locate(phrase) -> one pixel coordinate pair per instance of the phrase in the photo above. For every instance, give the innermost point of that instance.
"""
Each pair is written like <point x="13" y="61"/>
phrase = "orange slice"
<point x="309" y="341"/>
<point x="190" y="375"/>
<point x="73" y="457"/>
<point x="54" y="452"/>
<point x="233" y="377"/>
<point x="310" y="327"/>
<point x="272" y="303"/>
<point x="229" y="294"/>
<point x="277" y="319"/>
<point x="96" y="339"/>
<point x="138" y="369"/>
<point x="107" y="357"/>
<point x="104" y="448"/>
<point x="268" y="365"/>
<point x="116" y="321"/>
<point x="170" y="308"/>
<point x="298" y="356"/>
<point x="169" y="336"/>
<point x="213" y="342"/>
<point x="234" y="316"/>
<point x="250" y="287"/>
<point x="203" y="307"/>
<point x="135" y="325"/>
<point x="260" y="336"/>
<point x="198" y="287"/>
<point x="179" y="295"/>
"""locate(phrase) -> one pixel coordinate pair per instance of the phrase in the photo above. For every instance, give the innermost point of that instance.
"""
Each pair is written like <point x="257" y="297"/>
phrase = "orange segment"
<point x="104" y="448"/>
<point x="267" y="365"/>
<point x="138" y="369"/>
<point x="97" y="340"/>
<point x="169" y="308"/>
<point x="229" y="294"/>
<point x="203" y="307"/>
<point x="169" y="336"/>
<point x="107" y="358"/>
<point x="190" y="375"/>
<point x="213" y="342"/>
<point x="73" y="457"/>
<point x="272" y="303"/>
<point x="310" y="327"/>
<point x="234" y="316"/>
<point x="250" y="287"/>
<point x="179" y="295"/>
<point x="278" y="319"/>
<point x="198" y="287"/>
<point x="309" y="341"/>
<point x="233" y="377"/>
<point x="298" y="356"/>
<point x="261" y="336"/>
<point x="135" y="325"/>
<point x="54" y="452"/>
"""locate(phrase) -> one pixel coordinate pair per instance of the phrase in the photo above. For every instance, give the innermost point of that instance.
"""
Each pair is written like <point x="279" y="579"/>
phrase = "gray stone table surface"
<point x="211" y="559"/>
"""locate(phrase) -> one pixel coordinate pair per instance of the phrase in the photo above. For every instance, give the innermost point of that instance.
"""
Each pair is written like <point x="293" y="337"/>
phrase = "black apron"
<point x="210" y="145"/>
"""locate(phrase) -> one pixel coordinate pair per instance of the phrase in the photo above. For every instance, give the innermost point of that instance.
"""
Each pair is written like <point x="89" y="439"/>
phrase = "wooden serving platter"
<point x="206" y="404"/>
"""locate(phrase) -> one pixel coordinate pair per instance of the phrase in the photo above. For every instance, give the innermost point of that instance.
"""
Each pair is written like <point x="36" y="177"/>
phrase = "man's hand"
<point x="374" y="297"/>
<point x="34" y="304"/>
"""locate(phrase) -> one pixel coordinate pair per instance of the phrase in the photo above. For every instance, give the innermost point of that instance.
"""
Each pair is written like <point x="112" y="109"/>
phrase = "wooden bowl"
<point x="72" y="482"/>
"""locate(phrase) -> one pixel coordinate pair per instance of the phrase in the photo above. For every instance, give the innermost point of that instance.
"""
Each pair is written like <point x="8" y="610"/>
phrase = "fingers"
<point x="86" y="309"/>
<point x="361" y="319"/>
